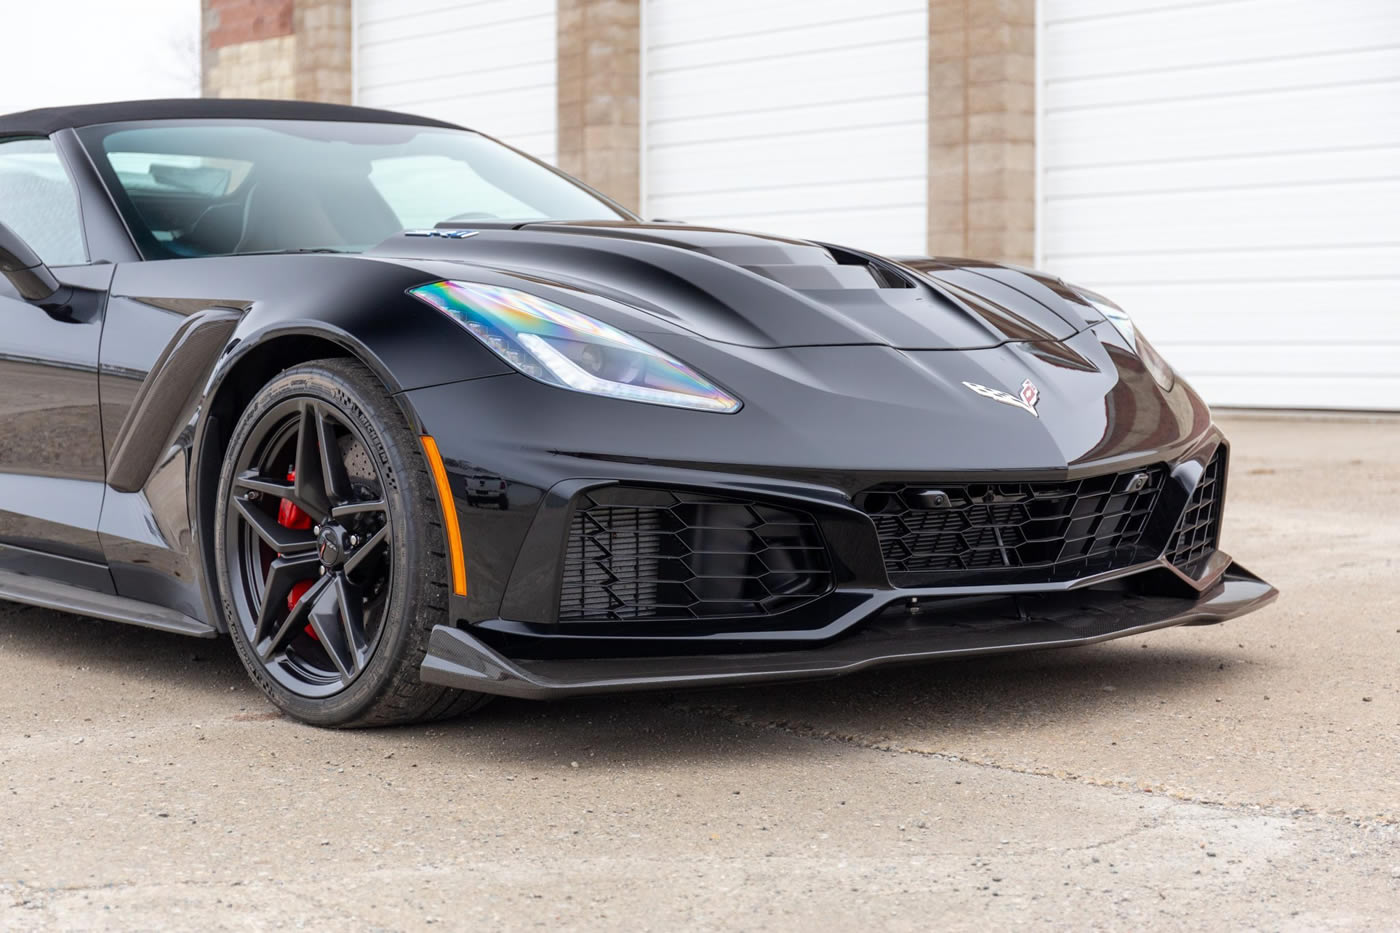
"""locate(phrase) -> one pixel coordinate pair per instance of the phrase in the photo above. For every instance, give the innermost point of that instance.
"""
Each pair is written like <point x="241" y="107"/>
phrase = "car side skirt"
<point x="50" y="594"/>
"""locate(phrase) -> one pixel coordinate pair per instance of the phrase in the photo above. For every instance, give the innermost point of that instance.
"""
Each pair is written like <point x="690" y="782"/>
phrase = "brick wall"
<point x="981" y="103"/>
<point x="981" y="126"/>
<point x="277" y="48"/>
<point x="599" y="92"/>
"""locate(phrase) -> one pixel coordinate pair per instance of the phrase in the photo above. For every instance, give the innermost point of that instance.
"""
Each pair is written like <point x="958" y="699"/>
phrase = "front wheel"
<point x="329" y="543"/>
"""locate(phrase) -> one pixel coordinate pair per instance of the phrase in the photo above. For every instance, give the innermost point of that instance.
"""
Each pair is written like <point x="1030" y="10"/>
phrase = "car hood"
<point x="753" y="290"/>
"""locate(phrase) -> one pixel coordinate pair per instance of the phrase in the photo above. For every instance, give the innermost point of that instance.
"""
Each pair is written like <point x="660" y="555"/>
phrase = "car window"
<point x="154" y="172"/>
<point x="39" y="203"/>
<point x="423" y="190"/>
<point x="190" y="188"/>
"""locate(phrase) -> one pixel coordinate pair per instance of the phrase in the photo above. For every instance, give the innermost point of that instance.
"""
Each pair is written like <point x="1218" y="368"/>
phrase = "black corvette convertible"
<point x="417" y="420"/>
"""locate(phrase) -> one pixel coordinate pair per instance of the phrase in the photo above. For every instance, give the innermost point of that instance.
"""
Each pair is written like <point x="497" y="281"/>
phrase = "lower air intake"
<point x="937" y="534"/>
<point x="637" y="553"/>
<point x="1197" y="534"/>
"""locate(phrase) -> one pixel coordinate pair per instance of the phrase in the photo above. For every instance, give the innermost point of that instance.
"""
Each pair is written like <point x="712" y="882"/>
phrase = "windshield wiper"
<point x="274" y="252"/>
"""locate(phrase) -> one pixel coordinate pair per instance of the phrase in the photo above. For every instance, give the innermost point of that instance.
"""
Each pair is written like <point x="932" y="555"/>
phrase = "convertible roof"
<point x="51" y="119"/>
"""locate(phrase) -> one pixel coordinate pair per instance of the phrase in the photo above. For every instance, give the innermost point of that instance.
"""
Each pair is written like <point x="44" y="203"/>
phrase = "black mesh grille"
<point x="934" y="534"/>
<point x="658" y="554"/>
<point x="1198" y="531"/>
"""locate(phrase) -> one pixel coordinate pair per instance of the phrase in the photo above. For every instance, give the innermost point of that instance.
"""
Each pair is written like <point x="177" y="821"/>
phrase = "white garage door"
<point x="800" y="117"/>
<point x="489" y="65"/>
<point x="1229" y="172"/>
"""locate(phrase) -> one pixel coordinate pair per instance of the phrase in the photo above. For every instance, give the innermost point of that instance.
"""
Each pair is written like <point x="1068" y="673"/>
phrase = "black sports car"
<point x="417" y="420"/>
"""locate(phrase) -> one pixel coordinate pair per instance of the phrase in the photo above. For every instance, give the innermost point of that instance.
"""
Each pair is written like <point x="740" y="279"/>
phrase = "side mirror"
<point x="23" y="267"/>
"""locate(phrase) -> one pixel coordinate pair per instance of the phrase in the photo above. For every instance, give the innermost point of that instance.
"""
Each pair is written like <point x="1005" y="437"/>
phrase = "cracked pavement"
<point x="1245" y="775"/>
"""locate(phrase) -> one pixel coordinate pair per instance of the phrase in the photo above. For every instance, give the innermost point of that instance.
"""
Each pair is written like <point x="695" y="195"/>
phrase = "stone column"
<point x="291" y="49"/>
<point x="981" y="126"/>
<point x="599" y="88"/>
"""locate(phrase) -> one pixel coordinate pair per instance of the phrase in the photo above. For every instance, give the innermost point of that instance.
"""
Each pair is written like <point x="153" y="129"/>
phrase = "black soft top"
<point x="51" y="119"/>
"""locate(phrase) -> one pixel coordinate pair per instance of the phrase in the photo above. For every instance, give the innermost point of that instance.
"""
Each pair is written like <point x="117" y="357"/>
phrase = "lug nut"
<point x="253" y="495"/>
<point x="354" y="540"/>
<point x="316" y="530"/>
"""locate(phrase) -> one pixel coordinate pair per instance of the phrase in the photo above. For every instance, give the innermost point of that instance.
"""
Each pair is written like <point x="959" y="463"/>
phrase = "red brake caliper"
<point x="289" y="516"/>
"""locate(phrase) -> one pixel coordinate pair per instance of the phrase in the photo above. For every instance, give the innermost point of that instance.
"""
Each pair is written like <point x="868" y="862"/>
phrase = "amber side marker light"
<point x="449" y="515"/>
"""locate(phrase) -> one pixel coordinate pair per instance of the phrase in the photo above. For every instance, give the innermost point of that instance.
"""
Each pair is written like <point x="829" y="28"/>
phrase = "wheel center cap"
<point x="331" y="546"/>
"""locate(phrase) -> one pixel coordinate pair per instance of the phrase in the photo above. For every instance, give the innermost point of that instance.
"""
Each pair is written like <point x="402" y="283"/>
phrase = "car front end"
<point x="820" y="508"/>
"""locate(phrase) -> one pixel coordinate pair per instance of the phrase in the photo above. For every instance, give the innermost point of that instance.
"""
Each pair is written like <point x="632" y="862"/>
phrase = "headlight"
<point x="1159" y="368"/>
<point x="561" y="347"/>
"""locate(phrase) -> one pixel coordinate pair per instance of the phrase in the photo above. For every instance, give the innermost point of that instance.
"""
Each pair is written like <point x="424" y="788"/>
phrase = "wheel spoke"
<point x="337" y="619"/>
<point x="356" y="508"/>
<point x="282" y="575"/>
<point x="285" y="541"/>
<point x="337" y="481"/>
<point x="252" y="479"/>
<point x="310" y="485"/>
<point x="364" y="551"/>
<point x="295" y="621"/>
<point x="352" y="614"/>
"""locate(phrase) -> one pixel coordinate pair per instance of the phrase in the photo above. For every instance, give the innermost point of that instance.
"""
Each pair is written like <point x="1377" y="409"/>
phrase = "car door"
<point x="51" y="455"/>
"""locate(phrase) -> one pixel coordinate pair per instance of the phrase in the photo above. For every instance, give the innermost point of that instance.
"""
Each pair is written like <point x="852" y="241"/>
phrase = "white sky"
<point x="55" y="52"/>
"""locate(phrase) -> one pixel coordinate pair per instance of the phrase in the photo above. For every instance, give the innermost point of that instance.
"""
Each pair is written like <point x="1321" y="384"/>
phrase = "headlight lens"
<point x="1159" y="368"/>
<point x="561" y="347"/>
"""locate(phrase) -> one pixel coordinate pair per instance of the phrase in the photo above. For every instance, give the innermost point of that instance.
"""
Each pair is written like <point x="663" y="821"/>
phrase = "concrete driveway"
<point x="1243" y="775"/>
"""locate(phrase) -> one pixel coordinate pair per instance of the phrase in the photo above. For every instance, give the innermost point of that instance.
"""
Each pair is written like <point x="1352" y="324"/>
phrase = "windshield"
<point x="222" y="187"/>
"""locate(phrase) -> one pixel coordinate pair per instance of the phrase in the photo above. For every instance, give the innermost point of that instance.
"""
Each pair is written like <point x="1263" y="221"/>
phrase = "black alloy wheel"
<point x="327" y="525"/>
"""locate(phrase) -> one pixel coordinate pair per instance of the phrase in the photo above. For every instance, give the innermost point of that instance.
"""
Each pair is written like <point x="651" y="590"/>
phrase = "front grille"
<point x="1198" y="531"/>
<point x="638" y="553"/>
<point x="936" y="534"/>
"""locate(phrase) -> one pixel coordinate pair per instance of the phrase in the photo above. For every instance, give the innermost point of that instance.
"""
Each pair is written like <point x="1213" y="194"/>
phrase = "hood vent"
<point x="753" y="290"/>
<point x="802" y="265"/>
<point x="845" y="269"/>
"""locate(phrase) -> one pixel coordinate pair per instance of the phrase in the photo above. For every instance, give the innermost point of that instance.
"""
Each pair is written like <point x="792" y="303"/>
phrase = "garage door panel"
<point x="1337" y="118"/>
<point x="1375" y="65"/>
<point x="1325" y="298"/>
<point x="1186" y="324"/>
<point x="881" y="230"/>
<point x="396" y="22"/>
<point x="1288" y="168"/>
<point x="475" y="85"/>
<point x="1207" y="267"/>
<point x="753" y="162"/>
<point x="501" y="46"/>
<point x="673" y="22"/>
<point x="1338" y="392"/>
<point x="868" y="113"/>
<point x="807" y="119"/>
<point x="1230" y="173"/>
<point x="1294" y="215"/>
<point x="508" y="115"/>
<point x="488" y="65"/>
<point x="1185" y="35"/>
<point x="1356" y="361"/>
<point x="790" y="45"/>
<point x="755" y="86"/>
<point x="767" y="199"/>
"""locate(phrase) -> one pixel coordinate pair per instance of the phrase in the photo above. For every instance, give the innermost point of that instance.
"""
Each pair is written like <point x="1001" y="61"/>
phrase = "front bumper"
<point x="509" y="634"/>
<point x="891" y="632"/>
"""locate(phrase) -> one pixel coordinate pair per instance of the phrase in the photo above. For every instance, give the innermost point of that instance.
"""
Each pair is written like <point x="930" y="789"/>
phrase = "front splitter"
<point x="458" y="659"/>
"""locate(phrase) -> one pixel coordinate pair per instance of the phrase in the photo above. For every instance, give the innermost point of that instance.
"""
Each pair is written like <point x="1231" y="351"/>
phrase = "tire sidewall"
<point x="356" y="402"/>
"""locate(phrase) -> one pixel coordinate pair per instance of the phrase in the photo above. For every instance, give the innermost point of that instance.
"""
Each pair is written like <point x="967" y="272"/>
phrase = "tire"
<point x="332" y="566"/>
